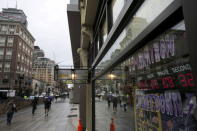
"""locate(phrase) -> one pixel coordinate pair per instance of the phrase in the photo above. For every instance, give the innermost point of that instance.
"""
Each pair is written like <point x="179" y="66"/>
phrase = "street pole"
<point x="20" y="89"/>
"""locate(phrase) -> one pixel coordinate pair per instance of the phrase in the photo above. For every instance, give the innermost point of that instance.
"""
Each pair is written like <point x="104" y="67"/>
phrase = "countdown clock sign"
<point x="172" y="77"/>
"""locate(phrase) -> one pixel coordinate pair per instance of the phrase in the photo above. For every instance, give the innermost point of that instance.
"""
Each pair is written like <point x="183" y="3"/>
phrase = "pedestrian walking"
<point x="47" y="106"/>
<point x="125" y="104"/>
<point x="11" y="108"/>
<point x="34" y="105"/>
<point x="56" y="96"/>
<point x="115" y="103"/>
<point x="108" y="101"/>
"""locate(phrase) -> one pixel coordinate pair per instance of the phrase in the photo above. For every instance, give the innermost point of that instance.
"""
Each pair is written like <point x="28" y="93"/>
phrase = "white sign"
<point x="11" y="93"/>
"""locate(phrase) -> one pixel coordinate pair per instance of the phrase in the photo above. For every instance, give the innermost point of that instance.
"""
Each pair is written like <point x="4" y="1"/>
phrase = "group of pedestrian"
<point x="115" y="100"/>
<point x="11" y="108"/>
<point x="47" y="105"/>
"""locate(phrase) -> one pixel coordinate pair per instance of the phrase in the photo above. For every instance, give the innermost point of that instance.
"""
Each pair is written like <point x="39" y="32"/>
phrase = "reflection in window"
<point x="104" y="31"/>
<point x="148" y="11"/>
<point x="117" y="6"/>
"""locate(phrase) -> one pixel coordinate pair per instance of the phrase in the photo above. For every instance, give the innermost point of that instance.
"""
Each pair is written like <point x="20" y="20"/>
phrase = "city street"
<point x="56" y="121"/>
<point x="123" y="120"/>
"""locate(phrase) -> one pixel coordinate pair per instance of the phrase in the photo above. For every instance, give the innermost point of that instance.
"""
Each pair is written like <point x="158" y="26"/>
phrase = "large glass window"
<point x="148" y="11"/>
<point x="104" y="31"/>
<point x="116" y="6"/>
<point x="156" y="86"/>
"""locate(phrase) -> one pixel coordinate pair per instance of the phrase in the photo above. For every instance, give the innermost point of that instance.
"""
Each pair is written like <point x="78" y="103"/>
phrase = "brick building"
<point x="16" y="50"/>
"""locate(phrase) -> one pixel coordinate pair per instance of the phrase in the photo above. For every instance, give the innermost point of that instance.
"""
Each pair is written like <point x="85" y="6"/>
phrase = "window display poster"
<point x="167" y="111"/>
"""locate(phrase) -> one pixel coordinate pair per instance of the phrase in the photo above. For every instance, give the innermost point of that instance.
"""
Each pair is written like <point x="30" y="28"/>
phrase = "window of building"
<point x="4" y="28"/>
<point x="116" y="7"/>
<point x="7" y="67"/>
<point x="12" y="29"/>
<point x="1" y="66"/>
<point x="20" y="44"/>
<point x="10" y="41"/>
<point x="1" y="53"/>
<point x="18" y="68"/>
<point x="8" y="53"/>
<point x="2" y="40"/>
<point x="19" y="56"/>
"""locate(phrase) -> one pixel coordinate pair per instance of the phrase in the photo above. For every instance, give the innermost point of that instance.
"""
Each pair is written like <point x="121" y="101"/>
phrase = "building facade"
<point x="37" y="52"/>
<point x="144" y="52"/>
<point x="43" y="70"/>
<point x="16" y="52"/>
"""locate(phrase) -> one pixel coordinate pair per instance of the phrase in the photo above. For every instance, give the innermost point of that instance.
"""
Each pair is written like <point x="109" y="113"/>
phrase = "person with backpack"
<point x="11" y="108"/>
<point x="47" y="104"/>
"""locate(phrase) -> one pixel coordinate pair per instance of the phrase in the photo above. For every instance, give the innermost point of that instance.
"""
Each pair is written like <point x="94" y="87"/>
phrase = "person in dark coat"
<point x="47" y="104"/>
<point x="11" y="108"/>
<point x="115" y="103"/>
<point x="108" y="101"/>
<point x="34" y="105"/>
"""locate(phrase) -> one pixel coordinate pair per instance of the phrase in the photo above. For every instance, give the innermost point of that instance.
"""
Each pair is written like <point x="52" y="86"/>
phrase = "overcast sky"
<point x="47" y="22"/>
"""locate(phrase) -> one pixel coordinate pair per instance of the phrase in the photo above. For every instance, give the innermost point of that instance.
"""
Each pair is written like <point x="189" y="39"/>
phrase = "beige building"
<point x="43" y="70"/>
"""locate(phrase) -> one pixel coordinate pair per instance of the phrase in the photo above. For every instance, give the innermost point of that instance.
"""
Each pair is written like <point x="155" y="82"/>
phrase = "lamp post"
<point x="20" y="77"/>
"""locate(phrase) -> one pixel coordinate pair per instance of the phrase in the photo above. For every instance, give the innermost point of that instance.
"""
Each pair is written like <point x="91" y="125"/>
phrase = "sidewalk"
<point x="57" y="120"/>
<point x="124" y="121"/>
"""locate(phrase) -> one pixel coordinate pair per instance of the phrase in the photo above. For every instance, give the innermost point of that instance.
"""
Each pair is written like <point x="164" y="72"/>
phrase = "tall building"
<point x="43" y="70"/>
<point x="13" y="14"/>
<point x="37" y="52"/>
<point x="16" y="50"/>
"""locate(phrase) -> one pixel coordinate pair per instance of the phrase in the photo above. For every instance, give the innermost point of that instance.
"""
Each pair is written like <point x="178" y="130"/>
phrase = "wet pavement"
<point x="57" y="120"/>
<point x="124" y="121"/>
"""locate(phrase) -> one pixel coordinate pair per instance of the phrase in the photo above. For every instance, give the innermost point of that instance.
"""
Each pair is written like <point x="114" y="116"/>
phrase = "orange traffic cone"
<point x="112" y="125"/>
<point x="80" y="127"/>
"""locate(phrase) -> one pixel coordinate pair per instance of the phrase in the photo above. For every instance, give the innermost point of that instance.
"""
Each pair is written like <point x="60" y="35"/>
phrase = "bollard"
<point x="79" y="127"/>
<point x="112" y="125"/>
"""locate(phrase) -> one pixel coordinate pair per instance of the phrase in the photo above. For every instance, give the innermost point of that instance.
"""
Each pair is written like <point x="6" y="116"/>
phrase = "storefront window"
<point x="112" y="100"/>
<point x="116" y="6"/>
<point x="157" y="85"/>
<point x="148" y="11"/>
<point x="164" y="89"/>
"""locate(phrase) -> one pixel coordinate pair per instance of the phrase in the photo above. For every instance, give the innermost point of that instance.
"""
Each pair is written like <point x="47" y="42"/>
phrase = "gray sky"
<point x="47" y="22"/>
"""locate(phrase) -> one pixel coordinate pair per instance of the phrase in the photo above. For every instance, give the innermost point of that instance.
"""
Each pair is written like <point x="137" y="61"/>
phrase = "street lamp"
<point x="73" y="75"/>
<point x="20" y="77"/>
<point x="111" y="76"/>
